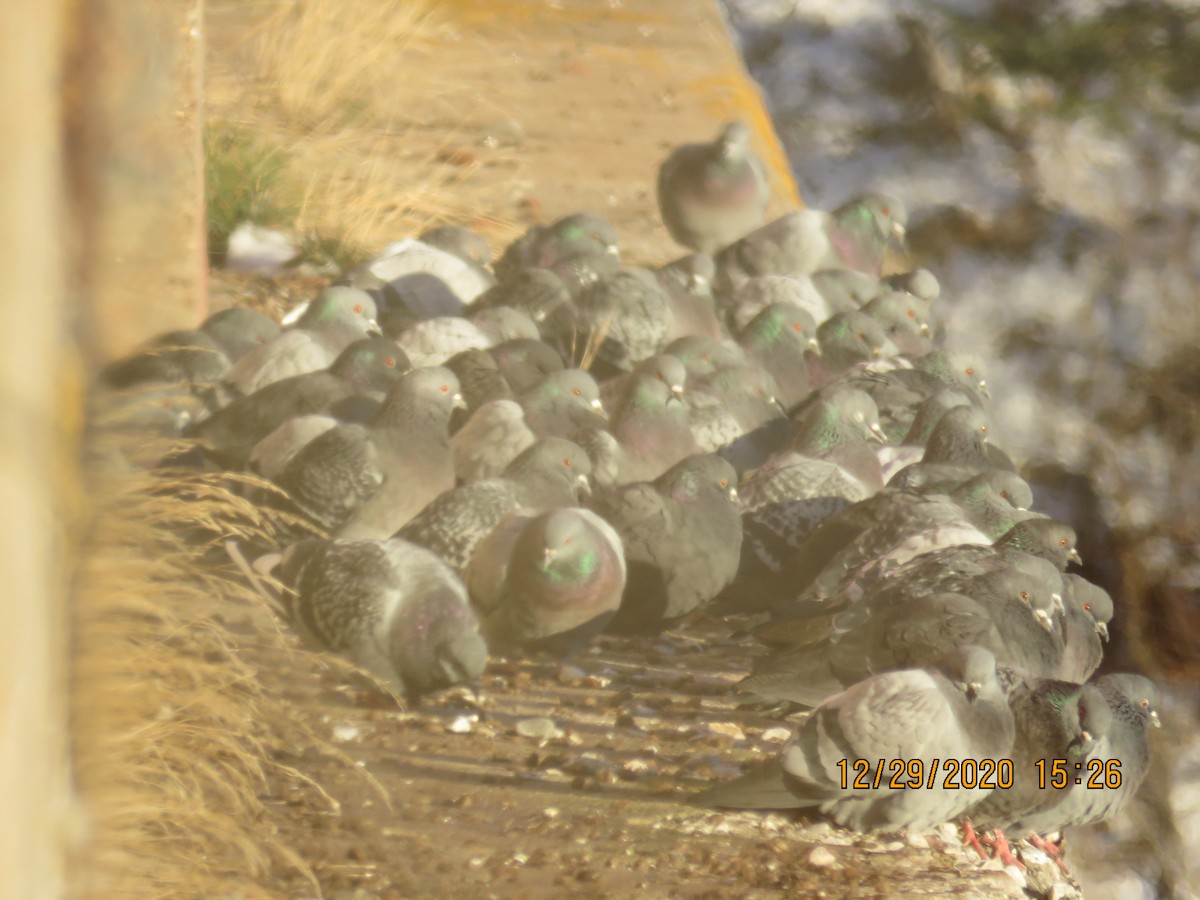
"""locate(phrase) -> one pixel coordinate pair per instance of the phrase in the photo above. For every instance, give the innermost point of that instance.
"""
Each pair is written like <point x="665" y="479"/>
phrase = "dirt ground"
<point x="559" y="778"/>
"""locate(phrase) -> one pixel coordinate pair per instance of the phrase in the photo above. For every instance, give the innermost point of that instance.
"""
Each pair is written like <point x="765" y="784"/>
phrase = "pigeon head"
<point x="1088" y="718"/>
<point x="780" y="323"/>
<point x="850" y="338"/>
<point x="972" y="670"/>
<point x="667" y="369"/>
<point x="957" y="368"/>
<point x="905" y="320"/>
<point x="733" y="143"/>
<point x="1138" y="691"/>
<point x="996" y="484"/>
<point x="1090" y="599"/>
<point x="919" y="282"/>
<point x="702" y="355"/>
<point x="704" y="474"/>
<point x="880" y="216"/>
<point x="694" y="272"/>
<point x="559" y="546"/>
<point x="1046" y="538"/>
<point x="581" y="234"/>
<point x="536" y="358"/>
<point x="574" y="386"/>
<point x="430" y="394"/>
<point x="340" y="303"/>
<point x="461" y="242"/>
<point x="238" y="330"/>
<point x="959" y="437"/>
<point x="1039" y="592"/>
<point x="559" y="460"/>
<point x="371" y="364"/>
<point x="505" y="323"/>
<point x="837" y="417"/>
<point x="437" y="644"/>
<point x="930" y="412"/>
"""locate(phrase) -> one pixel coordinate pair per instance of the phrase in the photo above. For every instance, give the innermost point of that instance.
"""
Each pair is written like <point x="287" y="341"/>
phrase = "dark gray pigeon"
<point x="682" y="535"/>
<point x="709" y="195"/>
<point x="366" y="481"/>
<point x="493" y="437"/>
<point x="580" y="235"/>
<point x="621" y="319"/>
<point x="231" y="433"/>
<point x="651" y="428"/>
<point x="779" y="339"/>
<point x="524" y="363"/>
<point x="687" y="283"/>
<point x="562" y="404"/>
<point x="481" y="381"/>
<point x="547" y="581"/>
<point x="954" y="711"/>
<point x="539" y="293"/>
<point x="549" y="474"/>
<point x="391" y="607"/>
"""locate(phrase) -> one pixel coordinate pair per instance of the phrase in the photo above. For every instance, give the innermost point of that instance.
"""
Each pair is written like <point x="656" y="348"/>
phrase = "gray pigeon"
<point x="905" y="319"/>
<point x="430" y="342"/>
<point x="392" y="608"/>
<point x="469" y="246"/>
<point x="652" y="429"/>
<point x="622" y="319"/>
<point x="846" y="340"/>
<point x="539" y="293"/>
<point x="779" y="339"/>
<point x="662" y="366"/>
<point x="709" y="195"/>
<point x="921" y="718"/>
<point x="524" y="363"/>
<point x="761" y="291"/>
<point x="481" y="381"/>
<point x="1087" y="610"/>
<point x="504" y="323"/>
<point x="853" y="236"/>
<point x="956" y="451"/>
<point x="231" y="433"/>
<point x="682" y="535"/>
<point x="366" y="481"/>
<point x="562" y="404"/>
<point x="493" y="437"/>
<point x="338" y="317"/>
<point x="547" y="581"/>
<point x="551" y="473"/>
<point x="919" y="282"/>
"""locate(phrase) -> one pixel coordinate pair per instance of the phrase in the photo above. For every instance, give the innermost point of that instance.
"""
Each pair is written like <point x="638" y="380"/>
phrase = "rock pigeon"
<point x="391" y="607"/>
<point x="687" y="283"/>
<point x="919" y="718"/>
<point x="846" y="340"/>
<point x="524" y="363"/>
<point x="423" y="280"/>
<point x="431" y="342"/>
<point x="709" y="195"/>
<point x="682" y="535"/>
<point x="480" y="379"/>
<point x="469" y="246"/>
<point x="778" y="339"/>
<point x="853" y="236"/>
<point x="651" y="427"/>
<point x="762" y="291"/>
<point x="622" y="319"/>
<point x="198" y="357"/>
<point x="547" y="581"/>
<point x="338" y="317"/>
<point x="539" y="293"/>
<point x="549" y="474"/>
<point x="1087" y="610"/>
<point x="905" y="319"/>
<point x="366" y="481"/>
<point x="231" y="433"/>
<point x="493" y="437"/>
<point x="562" y="404"/>
<point x="577" y="236"/>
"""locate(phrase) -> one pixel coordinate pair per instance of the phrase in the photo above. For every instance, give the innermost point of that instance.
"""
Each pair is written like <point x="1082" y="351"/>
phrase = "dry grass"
<point x="172" y="736"/>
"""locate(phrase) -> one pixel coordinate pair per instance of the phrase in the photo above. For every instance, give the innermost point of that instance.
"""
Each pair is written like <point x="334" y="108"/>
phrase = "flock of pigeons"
<point x="515" y="456"/>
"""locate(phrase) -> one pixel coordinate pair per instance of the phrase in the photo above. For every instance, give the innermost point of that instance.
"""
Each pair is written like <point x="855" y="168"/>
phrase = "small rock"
<point x="918" y="841"/>
<point x="776" y="735"/>
<point x="725" y="729"/>
<point x="462" y="724"/>
<point x="1064" y="891"/>
<point x="343" y="733"/>
<point x="253" y="248"/>
<point x="540" y="727"/>
<point x="637" y="766"/>
<point x="570" y="674"/>
<point x="820" y="858"/>
<point x="550" y="812"/>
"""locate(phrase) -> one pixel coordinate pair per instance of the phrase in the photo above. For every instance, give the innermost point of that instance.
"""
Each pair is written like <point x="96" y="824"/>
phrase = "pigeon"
<point x="547" y="581"/>
<point x="957" y="450"/>
<point x="537" y="292"/>
<point x="1008" y="612"/>
<point x="901" y="391"/>
<point x="469" y="246"/>
<point x="651" y="428"/>
<point x="778" y="339"/>
<point x="551" y="473"/>
<point x="682" y="535"/>
<point x="687" y="283"/>
<point x="431" y="342"/>
<point x="366" y="481"/>
<point x="662" y="366"/>
<point x="762" y="291"/>
<point x="905" y="320"/>
<point x="423" y="280"/>
<point x="1087" y="610"/>
<point x="919" y="282"/>
<point x="908" y="435"/>
<point x="846" y="340"/>
<point x="524" y="363"/>
<point x="338" y="317"/>
<point x="622" y="319"/>
<point x="709" y="195"/>
<point x="492" y="437"/>
<point x="231" y="433"/>
<point x="480" y="379"/>
<point x="388" y="606"/>
<point x="828" y="466"/>
<point x="563" y="403"/>
<point x="846" y="289"/>
<point x="703" y="356"/>
<point x="902" y="723"/>
<point x="504" y="323"/>
<point x="853" y="236"/>
<point x="199" y="357"/>
<point x="575" y="237"/>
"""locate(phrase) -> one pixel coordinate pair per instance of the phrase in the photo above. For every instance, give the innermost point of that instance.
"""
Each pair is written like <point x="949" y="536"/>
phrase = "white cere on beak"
<point x="584" y="485"/>
<point x="898" y="230"/>
<point x="612" y="250"/>
<point x="878" y="432"/>
<point x="294" y="314"/>
<point x="1073" y="556"/>
<point x="1155" y="719"/>
<point x="733" y="495"/>
<point x="1043" y="619"/>
<point x="1058" y="603"/>
<point x="1102" y="630"/>
<point x="458" y="401"/>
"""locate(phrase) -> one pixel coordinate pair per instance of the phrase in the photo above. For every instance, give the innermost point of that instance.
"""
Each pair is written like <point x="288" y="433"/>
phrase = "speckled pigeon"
<point x="391" y="607"/>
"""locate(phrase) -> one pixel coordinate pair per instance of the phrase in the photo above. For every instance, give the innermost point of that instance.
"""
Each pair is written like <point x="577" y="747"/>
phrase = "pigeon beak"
<point x="1102" y="630"/>
<point x="774" y="402"/>
<point x="612" y="250"/>
<point x="294" y="314"/>
<point x="1085" y="737"/>
<point x="925" y="329"/>
<point x="373" y="329"/>
<point x="539" y="317"/>
<point x="733" y="497"/>
<point x="1155" y="720"/>
<point x="973" y="690"/>
<point x="877" y="353"/>
<point x="458" y="401"/>
<point x="814" y="345"/>
<point x="983" y="388"/>
<point x="1073" y="556"/>
<point x="585" y="486"/>
<point x="677" y="391"/>
<point x="548" y="555"/>
<point x="899" y="231"/>
<point x="877" y="433"/>
<point x="1043" y="619"/>
<point x="599" y="408"/>
<point x="1058" y="603"/>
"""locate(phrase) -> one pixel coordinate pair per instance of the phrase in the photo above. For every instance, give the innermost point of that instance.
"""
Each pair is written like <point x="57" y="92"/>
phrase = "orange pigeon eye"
<point x="1004" y="495"/>
<point x="886" y="211"/>
<point x="1062" y="542"/>
<point x="970" y="371"/>
<point x="1024" y="596"/>
<point x="912" y="313"/>
<point x="390" y="362"/>
<point x="1144" y="704"/>
<point x="358" y="308"/>
<point x="577" y="392"/>
<point x="983" y="429"/>
<point x="445" y="388"/>
<point x="724" y="482"/>
<point x="796" y="326"/>
<point x="1087" y="607"/>
<point x="567" y="461"/>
